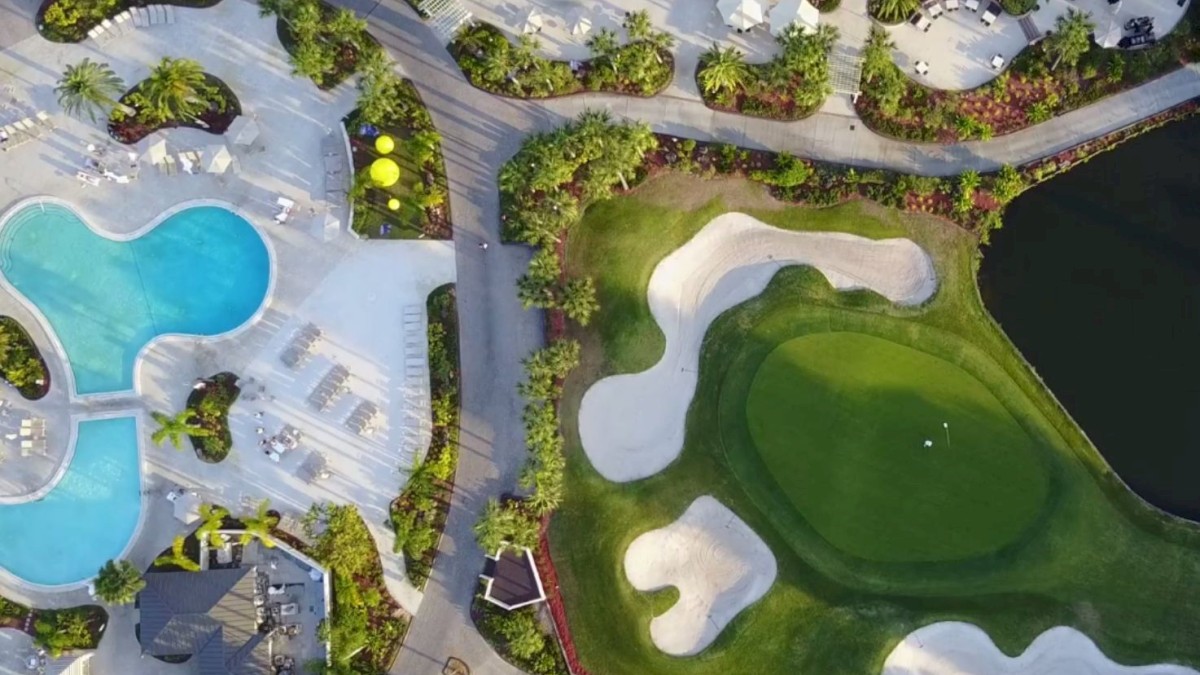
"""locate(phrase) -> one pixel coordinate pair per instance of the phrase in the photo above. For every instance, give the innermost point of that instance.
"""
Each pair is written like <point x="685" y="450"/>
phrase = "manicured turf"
<point x="1095" y="557"/>
<point x="842" y="420"/>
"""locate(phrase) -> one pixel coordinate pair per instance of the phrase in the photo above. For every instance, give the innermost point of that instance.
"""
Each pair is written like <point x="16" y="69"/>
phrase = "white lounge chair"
<point x="285" y="209"/>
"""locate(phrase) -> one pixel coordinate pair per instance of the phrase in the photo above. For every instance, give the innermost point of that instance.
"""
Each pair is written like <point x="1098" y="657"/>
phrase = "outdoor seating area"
<point x="275" y="446"/>
<point x="214" y="159"/>
<point x="362" y="418"/>
<point x="300" y="348"/>
<point x="743" y="15"/>
<point x="130" y="19"/>
<point x="25" y="130"/>
<point x="29" y="433"/>
<point x="332" y="385"/>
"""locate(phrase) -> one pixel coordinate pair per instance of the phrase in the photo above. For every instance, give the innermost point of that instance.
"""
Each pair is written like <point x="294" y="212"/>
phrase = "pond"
<point x="1096" y="278"/>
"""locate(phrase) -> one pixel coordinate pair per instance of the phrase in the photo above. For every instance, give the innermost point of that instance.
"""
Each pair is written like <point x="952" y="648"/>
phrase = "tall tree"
<point x="177" y="557"/>
<point x="176" y="428"/>
<point x="259" y="525"/>
<point x="88" y="88"/>
<point x="213" y="518"/>
<point x="118" y="582"/>
<point x="579" y="300"/>
<point x="637" y="25"/>
<point x="177" y="89"/>
<point x="722" y="70"/>
<point x="1071" y="38"/>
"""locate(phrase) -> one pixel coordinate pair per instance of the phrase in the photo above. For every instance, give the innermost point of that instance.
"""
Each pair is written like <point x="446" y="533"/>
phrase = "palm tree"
<point x="214" y="518"/>
<point x="118" y="583"/>
<point x="175" y="428"/>
<point x="604" y="45"/>
<point x="1071" y="38"/>
<point x="722" y="70"/>
<point x="890" y="11"/>
<point x="638" y="25"/>
<point x="177" y="89"/>
<point x="89" y="87"/>
<point x="177" y="557"/>
<point x="259" y="525"/>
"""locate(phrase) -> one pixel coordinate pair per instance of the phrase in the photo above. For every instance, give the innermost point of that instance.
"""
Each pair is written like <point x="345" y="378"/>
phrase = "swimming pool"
<point x="87" y="518"/>
<point x="201" y="271"/>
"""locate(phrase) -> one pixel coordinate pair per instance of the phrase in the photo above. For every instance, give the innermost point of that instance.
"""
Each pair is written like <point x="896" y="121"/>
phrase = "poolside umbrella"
<point x="533" y="21"/>
<point x="741" y="14"/>
<point x="330" y="229"/>
<point x="384" y="172"/>
<point x="157" y="152"/>
<point x="1110" y="37"/>
<point x="217" y="159"/>
<point x="798" y="12"/>
<point x="384" y="145"/>
<point x="187" y="508"/>
<point x="243" y="131"/>
<point x="581" y="25"/>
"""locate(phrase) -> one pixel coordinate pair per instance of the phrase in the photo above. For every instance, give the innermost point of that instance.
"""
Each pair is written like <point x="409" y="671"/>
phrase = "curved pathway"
<point x="480" y="132"/>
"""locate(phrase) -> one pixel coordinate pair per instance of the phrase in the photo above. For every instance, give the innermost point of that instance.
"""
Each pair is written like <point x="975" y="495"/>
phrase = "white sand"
<point x="632" y="425"/>
<point x="717" y="562"/>
<point x="955" y="648"/>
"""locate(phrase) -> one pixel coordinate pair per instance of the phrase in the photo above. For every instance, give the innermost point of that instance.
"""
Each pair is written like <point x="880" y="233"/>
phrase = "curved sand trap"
<point x="717" y="562"/>
<point x="955" y="648"/>
<point x="631" y="425"/>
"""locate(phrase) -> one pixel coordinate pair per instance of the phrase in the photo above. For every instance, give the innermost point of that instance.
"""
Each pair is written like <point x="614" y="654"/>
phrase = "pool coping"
<point x="9" y="578"/>
<point x="72" y="393"/>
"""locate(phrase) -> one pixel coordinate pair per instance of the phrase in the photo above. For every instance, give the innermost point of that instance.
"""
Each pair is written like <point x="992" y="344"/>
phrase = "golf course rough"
<point x="890" y="453"/>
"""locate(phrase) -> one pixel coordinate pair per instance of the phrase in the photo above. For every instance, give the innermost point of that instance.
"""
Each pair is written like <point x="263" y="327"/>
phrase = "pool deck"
<point x="362" y="295"/>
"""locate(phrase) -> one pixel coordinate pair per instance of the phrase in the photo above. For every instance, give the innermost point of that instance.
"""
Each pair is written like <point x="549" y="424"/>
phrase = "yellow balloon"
<point x="384" y="144"/>
<point x="384" y="172"/>
<point x="394" y="204"/>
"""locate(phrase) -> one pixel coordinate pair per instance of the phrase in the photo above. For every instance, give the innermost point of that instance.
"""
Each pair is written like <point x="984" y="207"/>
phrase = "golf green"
<point x="890" y="453"/>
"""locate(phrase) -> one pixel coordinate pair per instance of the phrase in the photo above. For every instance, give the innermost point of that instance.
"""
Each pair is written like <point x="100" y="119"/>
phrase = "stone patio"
<point x="363" y="295"/>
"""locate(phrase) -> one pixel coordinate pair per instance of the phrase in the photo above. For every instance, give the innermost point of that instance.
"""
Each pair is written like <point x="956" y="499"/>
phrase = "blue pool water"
<point x="203" y="271"/>
<point x="86" y="519"/>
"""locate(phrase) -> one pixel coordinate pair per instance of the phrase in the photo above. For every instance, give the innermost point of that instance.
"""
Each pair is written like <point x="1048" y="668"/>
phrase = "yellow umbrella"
<point x="384" y="172"/>
<point x="384" y="144"/>
<point x="394" y="204"/>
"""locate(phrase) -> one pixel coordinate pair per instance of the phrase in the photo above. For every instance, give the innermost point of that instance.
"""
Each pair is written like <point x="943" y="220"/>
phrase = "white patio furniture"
<point x="185" y="162"/>
<point x="742" y="14"/>
<point x="581" y="26"/>
<point x="532" y="22"/>
<point x="951" y="5"/>
<point x="921" y="22"/>
<point x="934" y="8"/>
<point x="990" y="14"/>
<point x="997" y="62"/>
<point x="922" y="68"/>
<point x="798" y="12"/>
<point x="972" y="5"/>
<point x="285" y="209"/>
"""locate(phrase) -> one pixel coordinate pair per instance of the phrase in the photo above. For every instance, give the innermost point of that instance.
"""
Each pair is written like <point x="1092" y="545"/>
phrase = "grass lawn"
<point x="1090" y="555"/>
<point x="841" y="421"/>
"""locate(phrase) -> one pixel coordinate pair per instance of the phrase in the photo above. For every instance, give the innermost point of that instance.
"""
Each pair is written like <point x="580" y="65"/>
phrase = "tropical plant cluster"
<point x="324" y="44"/>
<point x="519" y="637"/>
<point x="419" y="513"/>
<point x="892" y="11"/>
<point x="1065" y="71"/>
<point x="544" y="189"/>
<point x="184" y="554"/>
<point x="58" y="630"/>
<point x="178" y="93"/>
<point x="365" y="625"/>
<point x="70" y="20"/>
<point x="210" y="411"/>
<point x="791" y="86"/>
<point x="21" y="363"/>
<point x="389" y="104"/>
<point x="643" y="66"/>
<point x="118" y="582"/>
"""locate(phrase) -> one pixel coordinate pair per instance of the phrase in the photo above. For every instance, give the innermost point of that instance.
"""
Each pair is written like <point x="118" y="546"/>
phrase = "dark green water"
<point x="1096" y="278"/>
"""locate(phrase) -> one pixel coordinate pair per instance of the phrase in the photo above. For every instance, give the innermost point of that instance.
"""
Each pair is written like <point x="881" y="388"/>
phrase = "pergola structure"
<point x="512" y="578"/>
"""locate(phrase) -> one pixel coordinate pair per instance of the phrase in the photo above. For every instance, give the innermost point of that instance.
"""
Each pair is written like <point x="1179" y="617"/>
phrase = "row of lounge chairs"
<point x="32" y="435"/>
<point x="362" y="418"/>
<point x="25" y="130"/>
<point x="299" y="350"/>
<point x="332" y="385"/>
<point x="137" y="17"/>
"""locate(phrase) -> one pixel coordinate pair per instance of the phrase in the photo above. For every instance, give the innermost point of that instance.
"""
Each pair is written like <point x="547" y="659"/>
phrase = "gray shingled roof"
<point x="208" y="615"/>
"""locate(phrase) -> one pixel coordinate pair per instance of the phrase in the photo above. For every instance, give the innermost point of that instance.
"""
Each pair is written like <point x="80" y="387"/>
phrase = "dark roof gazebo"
<point x="512" y="579"/>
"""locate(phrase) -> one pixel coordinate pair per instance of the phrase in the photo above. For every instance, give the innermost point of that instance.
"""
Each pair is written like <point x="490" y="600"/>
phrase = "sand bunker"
<point x="954" y="648"/>
<point x="632" y="425"/>
<point x="715" y="560"/>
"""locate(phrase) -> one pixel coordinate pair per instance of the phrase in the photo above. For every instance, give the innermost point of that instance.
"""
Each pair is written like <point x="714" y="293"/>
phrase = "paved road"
<point x="480" y="132"/>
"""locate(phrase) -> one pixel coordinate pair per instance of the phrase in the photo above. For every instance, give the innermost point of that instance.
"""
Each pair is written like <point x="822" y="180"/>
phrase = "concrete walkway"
<point x="480" y="132"/>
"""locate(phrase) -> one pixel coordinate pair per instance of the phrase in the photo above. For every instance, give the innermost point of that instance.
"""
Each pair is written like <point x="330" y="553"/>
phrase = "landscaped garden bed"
<point x="519" y="636"/>
<point x="210" y="404"/>
<point x="642" y="67"/>
<point x="21" y="364"/>
<point x="70" y="20"/>
<point x="1042" y="82"/>
<point x="791" y="86"/>
<point x="419" y="513"/>
<point x="391" y="107"/>
<point x="178" y="93"/>
<point x="326" y="44"/>
<point x="56" y="630"/>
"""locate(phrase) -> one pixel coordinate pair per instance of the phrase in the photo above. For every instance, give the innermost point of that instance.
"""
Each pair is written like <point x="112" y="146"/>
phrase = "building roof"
<point x="513" y="579"/>
<point x="208" y="615"/>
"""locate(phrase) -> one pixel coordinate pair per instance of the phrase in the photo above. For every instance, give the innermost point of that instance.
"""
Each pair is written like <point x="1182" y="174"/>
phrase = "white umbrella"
<point x="581" y="25"/>
<point x="1109" y="38"/>
<point x="330" y="230"/>
<point x="742" y="14"/>
<point x="217" y="159"/>
<point x="789" y="12"/>
<point x="157" y="152"/>
<point x="243" y="131"/>
<point x="187" y="508"/>
<point x="533" y="21"/>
